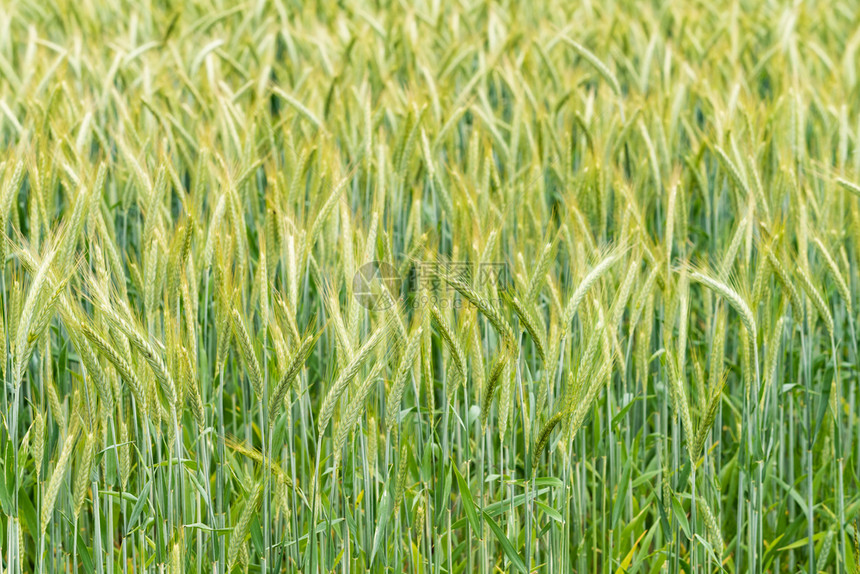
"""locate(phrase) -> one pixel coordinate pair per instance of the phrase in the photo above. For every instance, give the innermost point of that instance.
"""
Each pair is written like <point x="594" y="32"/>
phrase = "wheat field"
<point x="437" y="287"/>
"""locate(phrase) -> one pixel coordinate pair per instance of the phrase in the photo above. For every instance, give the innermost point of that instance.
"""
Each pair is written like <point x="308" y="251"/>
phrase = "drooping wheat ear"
<point x="757" y="186"/>
<point x="37" y="432"/>
<point x="223" y="328"/>
<point x="596" y="384"/>
<point x="212" y="232"/>
<point x="294" y="366"/>
<point x="718" y="349"/>
<point x="506" y="398"/>
<point x="643" y="343"/>
<point x="192" y="389"/>
<point x="492" y="383"/>
<point x="122" y="364"/>
<point x="484" y="306"/>
<point x="48" y="307"/>
<point x="732" y="297"/>
<point x="244" y="558"/>
<point x="699" y="372"/>
<point x="10" y="191"/>
<point x="713" y="526"/>
<point x="475" y="353"/>
<point x="257" y="456"/>
<point x="785" y="280"/>
<point x="279" y="343"/>
<point x="139" y="341"/>
<point x="27" y="316"/>
<point x="372" y="444"/>
<point x="651" y="154"/>
<point x="39" y="325"/>
<point x="356" y="407"/>
<point x="578" y="380"/>
<point x="849" y="186"/>
<point x="456" y="350"/>
<point x="584" y="286"/>
<point x="541" y="270"/>
<point x="770" y="362"/>
<point x="287" y="318"/>
<point x="393" y="314"/>
<point x="760" y="282"/>
<point x="623" y="294"/>
<point x="6" y="199"/>
<point x="281" y="500"/>
<point x="246" y="351"/>
<point x="54" y="403"/>
<point x="400" y="484"/>
<point x="551" y="365"/>
<point x="124" y="450"/>
<point x="50" y="495"/>
<point x="543" y="437"/>
<point x="707" y="420"/>
<point x="601" y="68"/>
<point x="327" y="208"/>
<point x="838" y="278"/>
<point x="83" y="470"/>
<point x="643" y="295"/>
<point x="114" y="260"/>
<point x="824" y="554"/>
<point x="732" y="251"/>
<point x="395" y="395"/>
<point x="734" y="172"/>
<point x="83" y="203"/>
<point x="94" y="370"/>
<point x="532" y="324"/>
<point x="816" y="298"/>
<point x="240" y="531"/>
<point x="680" y="402"/>
<point x="342" y="339"/>
<point x="299" y="107"/>
<point x="347" y="374"/>
<point x="150" y="200"/>
<point x="667" y="492"/>
<point x="21" y="547"/>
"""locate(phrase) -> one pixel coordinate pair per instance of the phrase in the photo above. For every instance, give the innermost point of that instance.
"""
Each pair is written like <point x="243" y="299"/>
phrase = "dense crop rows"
<point x="448" y="287"/>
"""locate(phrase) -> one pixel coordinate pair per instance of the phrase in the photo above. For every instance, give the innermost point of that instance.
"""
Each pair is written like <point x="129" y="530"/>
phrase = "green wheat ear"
<point x="543" y="437"/>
